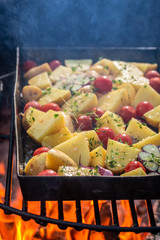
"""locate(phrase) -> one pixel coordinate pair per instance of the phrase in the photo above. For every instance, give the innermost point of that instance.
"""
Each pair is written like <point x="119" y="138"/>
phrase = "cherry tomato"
<point x="97" y="113"/>
<point x="33" y="104"/>
<point x="28" y="65"/>
<point x="103" y="84"/>
<point x="155" y="83"/>
<point x="48" y="172"/>
<point x="127" y="113"/>
<point x="104" y="133"/>
<point x="124" y="138"/>
<point x="84" y="122"/>
<point x="133" y="165"/>
<point x="50" y="106"/>
<point x="54" y="64"/>
<point x="143" y="107"/>
<point x="152" y="74"/>
<point x="40" y="150"/>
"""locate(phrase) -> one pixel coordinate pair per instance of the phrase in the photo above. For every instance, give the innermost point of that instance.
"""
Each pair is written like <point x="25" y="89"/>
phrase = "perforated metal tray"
<point x="36" y="188"/>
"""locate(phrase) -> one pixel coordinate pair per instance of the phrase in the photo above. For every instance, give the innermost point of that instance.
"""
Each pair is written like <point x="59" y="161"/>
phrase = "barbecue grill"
<point x="141" y="191"/>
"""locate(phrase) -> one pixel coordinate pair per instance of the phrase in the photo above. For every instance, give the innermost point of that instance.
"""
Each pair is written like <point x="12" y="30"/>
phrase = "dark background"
<point x="71" y="23"/>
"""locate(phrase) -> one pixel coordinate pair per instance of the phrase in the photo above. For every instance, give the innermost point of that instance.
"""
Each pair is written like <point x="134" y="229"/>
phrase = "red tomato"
<point x="155" y="83"/>
<point x="127" y="113"/>
<point x="103" y="84"/>
<point x="54" y="64"/>
<point x="143" y="107"/>
<point x="152" y="74"/>
<point x="48" y="172"/>
<point x="97" y="113"/>
<point x="28" y="65"/>
<point x="84" y="122"/>
<point x="133" y="165"/>
<point x="104" y="133"/>
<point x="124" y="138"/>
<point x="33" y="104"/>
<point x="40" y="150"/>
<point x="50" y="106"/>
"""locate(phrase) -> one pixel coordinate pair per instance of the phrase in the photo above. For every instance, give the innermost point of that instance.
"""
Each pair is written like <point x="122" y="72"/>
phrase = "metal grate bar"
<point x="133" y="212"/>
<point x="78" y="211"/>
<point x="25" y="209"/>
<point x="96" y="212"/>
<point x="80" y="225"/>
<point x="78" y="214"/>
<point x="114" y="212"/>
<point x="4" y="136"/>
<point x="60" y="214"/>
<point x="43" y="213"/>
<point x="10" y="158"/>
<point x="150" y="213"/>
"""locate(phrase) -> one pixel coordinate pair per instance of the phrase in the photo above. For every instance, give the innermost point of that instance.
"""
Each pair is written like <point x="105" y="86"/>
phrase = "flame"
<point x="2" y="169"/>
<point x="12" y="227"/>
<point x="21" y="230"/>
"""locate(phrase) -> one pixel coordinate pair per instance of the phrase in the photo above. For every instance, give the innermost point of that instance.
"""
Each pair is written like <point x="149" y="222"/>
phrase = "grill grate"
<point x="78" y="225"/>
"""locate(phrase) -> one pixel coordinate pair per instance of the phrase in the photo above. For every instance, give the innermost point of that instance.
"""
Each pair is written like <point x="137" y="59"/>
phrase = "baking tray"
<point x="35" y="188"/>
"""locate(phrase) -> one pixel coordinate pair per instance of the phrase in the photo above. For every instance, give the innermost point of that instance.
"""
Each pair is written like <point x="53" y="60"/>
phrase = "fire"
<point x="12" y="227"/>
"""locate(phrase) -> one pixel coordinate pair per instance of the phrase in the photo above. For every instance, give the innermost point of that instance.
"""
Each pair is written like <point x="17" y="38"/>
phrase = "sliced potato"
<point x="131" y="91"/>
<point x="55" y="95"/>
<point x="78" y="64"/>
<point x="138" y="130"/>
<point x="98" y="156"/>
<point x="48" y="124"/>
<point x="60" y="73"/>
<point x="80" y="103"/>
<point x="147" y="93"/>
<point x="30" y="116"/>
<point x="108" y="66"/>
<point x="119" y="155"/>
<point x="53" y="140"/>
<point x="145" y="67"/>
<point x="56" y="158"/>
<point x="112" y="120"/>
<point x="31" y="93"/>
<point x="41" y="80"/>
<point x="149" y="140"/>
<point x="77" y="149"/>
<point x="114" y="100"/>
<point x="135" y="172"/>
<point x="152" y="117"/>
<point x="37" y="70"/>
<point x="36" y="164"/>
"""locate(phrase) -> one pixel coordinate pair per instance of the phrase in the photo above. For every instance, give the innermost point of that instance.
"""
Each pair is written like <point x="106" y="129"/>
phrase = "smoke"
<point x="80" y="23"/>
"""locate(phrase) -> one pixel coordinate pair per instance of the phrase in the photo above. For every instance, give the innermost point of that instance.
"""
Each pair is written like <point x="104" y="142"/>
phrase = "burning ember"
<point x="12" y="227"/>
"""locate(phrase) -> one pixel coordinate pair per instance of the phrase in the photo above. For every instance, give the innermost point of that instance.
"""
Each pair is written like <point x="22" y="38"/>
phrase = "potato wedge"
<point x="135" y="172"/>
<point x="53" y="140"/>
<point x="138" y="131"/>
<point x="41" y="80"/>
<point x="36" y="164"/>
<point x="56" y="158"/>
<point x="31" y="93"/>
<point x="147" y="93"/>
<point x="77" y="149"/>
<point x="37" y="70"/>
<point x="48" y="124"/>
<point x="98" y="156"/>
<point x="152" y="117"/>
<point x="119" y="155"/>
<point x="30" y="116"/>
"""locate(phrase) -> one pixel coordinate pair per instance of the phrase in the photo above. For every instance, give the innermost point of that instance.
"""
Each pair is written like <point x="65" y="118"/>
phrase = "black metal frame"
<point x="43" y="219"/>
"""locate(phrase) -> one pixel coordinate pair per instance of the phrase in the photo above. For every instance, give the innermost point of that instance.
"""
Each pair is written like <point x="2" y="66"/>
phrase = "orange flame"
<point x="12" y="227"/>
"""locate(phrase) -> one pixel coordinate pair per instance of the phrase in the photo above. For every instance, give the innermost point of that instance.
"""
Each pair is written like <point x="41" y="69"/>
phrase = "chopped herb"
<point x="47" y="91"/>
<point x="56" y="115"/>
